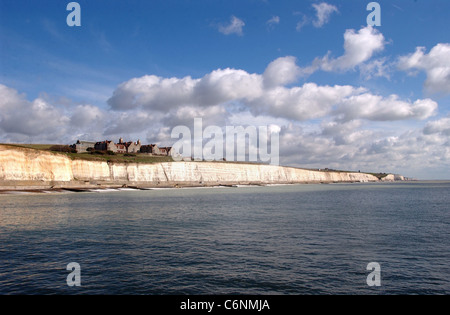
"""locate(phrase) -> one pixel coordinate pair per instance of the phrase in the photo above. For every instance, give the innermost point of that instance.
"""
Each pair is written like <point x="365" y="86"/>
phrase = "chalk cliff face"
<point x="21" y="167"/>
<point x="26" y="164"/>
<point x="393" y="177"/>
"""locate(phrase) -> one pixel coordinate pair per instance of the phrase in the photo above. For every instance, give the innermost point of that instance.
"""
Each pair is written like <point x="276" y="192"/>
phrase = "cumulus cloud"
<point x="185" y="115"/>
<point x="339" y="138"/>
<point x="320" y="126"/>
<point x="152" y="91"/>
<point x="226" y="85"/>
<point x="216" y="87"/>
<point x="300" y="103"/>
<point x="35" y="118"/>
<point x="346" y="133"/>
<point x="84" y="116"/>
<point x="436" y="65"/>
<point x="234" y="27"/>
<point x="441" y="126"/>
<point x="378" y="108"/>
<point x="281" y="71"/>
<point x="46" y="120"/>
<point x="351" y="146"/>
<point x="336" y="146"/>
<point x="265" y="94"/>
<point x="323" y="13"/>
<point x="375" y="69"/>
<point x="127" y="123"/>
<point x="260" y="93"/>
<point x="359" y="47"/>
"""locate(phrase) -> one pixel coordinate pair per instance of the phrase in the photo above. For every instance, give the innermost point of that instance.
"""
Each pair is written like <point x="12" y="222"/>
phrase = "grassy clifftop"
<point x="118" y="158"/>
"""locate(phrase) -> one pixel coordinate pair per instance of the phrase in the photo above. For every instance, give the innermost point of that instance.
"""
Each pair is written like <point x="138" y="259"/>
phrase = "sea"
<point x="308" y="239"/>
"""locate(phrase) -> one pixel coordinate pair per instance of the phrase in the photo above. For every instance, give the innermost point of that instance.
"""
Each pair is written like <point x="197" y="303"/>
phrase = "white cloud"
<point x="353" y="146"/>
<point x="48" y="120"/>
<point x="375" y="69"/>
<point x="261" y="94"/>
<point x="273" y="21"/>
<point x="31" y="119"/>
<point x="266" y="94"/>
<point x="216" y="87"/>
<point x="345" y="133"/>
<point x="323" y="13"/>
<point x="309" y="101"/>
<point x="85" y="116"/>
<point x="359" y="47"/>
<point x="303" y="22"/>
<point x="281" y="71"/>
<point x="153" y="92"/>
<point x="436" y="65"/>
<point x="224" y="85"/>
<point x="127" y="123"/>
<point x="441" y="126"/>
<point x="378" y="108"/>
<point x="234" y="27"/>
<point x="321" y="126"/>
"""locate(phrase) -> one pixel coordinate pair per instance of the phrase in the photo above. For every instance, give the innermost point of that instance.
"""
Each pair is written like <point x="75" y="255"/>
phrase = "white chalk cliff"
<point x="28" y="168"/>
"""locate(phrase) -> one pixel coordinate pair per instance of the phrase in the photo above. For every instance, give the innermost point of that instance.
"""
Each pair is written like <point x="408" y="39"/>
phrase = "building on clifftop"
<point x="82" y="146"/>
<point x="155" y="150"/>
<point x="121" y="147"/>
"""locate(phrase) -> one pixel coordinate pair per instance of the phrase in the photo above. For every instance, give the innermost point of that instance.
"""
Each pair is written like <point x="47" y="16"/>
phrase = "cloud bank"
<point x="269" y="94"/>
<point x="336" y="126"/>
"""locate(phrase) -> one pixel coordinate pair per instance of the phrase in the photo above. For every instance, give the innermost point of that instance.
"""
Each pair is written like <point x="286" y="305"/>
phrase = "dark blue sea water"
<point x="300" y="239"/>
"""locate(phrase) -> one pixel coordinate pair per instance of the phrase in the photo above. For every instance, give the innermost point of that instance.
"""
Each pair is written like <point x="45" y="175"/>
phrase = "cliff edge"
<point x="23" y="169"/>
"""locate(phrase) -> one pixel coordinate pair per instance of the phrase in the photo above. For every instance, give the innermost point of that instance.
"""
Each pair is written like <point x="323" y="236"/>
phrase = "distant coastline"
<point x="27" y="169"/>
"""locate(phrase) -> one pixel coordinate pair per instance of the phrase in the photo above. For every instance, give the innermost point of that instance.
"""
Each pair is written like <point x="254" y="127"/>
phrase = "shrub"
<point x="98" y="152"/>
<point x="62" y="148"/>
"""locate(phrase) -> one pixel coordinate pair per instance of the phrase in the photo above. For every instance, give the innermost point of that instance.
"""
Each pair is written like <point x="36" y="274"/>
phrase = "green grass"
<point x="117" y="158"/>
<point x="31" y="146"/>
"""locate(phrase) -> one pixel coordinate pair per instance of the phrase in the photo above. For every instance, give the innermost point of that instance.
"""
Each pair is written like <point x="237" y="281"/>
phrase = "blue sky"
<point x="308" y="67"/>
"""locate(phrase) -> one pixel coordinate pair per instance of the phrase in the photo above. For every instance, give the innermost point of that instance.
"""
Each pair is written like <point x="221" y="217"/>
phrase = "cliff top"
<point x="143" y="158"/>
<point x="94" y="156"/>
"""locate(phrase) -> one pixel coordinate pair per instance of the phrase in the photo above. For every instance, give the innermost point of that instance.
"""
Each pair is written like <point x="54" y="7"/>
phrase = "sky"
<point x="342" y="94"/>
